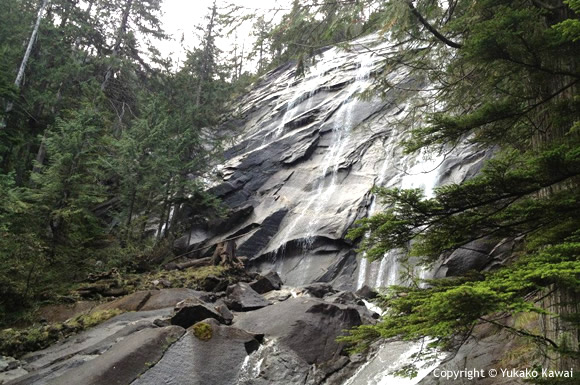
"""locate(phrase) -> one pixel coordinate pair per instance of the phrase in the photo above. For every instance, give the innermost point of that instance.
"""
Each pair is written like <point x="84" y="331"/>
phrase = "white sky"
<point x="181" y="16"/>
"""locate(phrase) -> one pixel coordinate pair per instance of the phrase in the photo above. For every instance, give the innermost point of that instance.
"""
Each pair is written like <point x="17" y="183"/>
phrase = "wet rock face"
<point x="306" y="326"/>
<point x="309" y="153"/>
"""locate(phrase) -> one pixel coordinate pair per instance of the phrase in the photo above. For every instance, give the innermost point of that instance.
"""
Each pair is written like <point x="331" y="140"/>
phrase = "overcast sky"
<point x="180" y="18"/>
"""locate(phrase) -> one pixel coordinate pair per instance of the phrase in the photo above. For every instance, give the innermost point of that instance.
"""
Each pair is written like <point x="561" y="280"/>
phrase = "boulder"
<point x="218" y="358"/>
<point x="266" y="283"/>
<point x="214" y="284"/>
<point x="307" y="326"/>
<point x="319" y="289"/>
<point x="473" y="256"/>
<point x="193" y="310"/>
<point x="241" y="297"/>
<point x="345" y="297"/>
<point x="366" y="292"/>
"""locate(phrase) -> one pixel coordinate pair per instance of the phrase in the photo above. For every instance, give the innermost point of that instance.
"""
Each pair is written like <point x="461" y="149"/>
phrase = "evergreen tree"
<point x="506" y="74"/>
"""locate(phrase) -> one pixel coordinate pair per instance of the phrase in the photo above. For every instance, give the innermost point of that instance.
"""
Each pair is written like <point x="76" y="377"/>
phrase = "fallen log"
<point x="195" y="263"/>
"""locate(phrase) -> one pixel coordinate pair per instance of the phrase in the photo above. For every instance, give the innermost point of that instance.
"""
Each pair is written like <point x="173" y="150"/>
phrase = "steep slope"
<point x="309" y="153"/>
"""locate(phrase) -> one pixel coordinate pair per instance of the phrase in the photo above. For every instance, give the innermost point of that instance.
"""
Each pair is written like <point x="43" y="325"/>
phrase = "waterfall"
<point x="305" y="90"/>
<point x="364" y="262"/>
<point x="422" y="171"/>
<point x="390" y="357"/>
<point x="343" y="123"/>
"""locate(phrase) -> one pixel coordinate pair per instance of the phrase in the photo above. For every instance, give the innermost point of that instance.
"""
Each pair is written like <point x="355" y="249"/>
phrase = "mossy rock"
<point x="17" y="342"/>
<point x="203" y="331"/>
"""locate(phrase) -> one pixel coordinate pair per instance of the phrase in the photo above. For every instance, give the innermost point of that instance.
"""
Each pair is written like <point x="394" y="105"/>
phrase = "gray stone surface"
<point x="106" y="333"/>
<point x="241" y="297"/>
<point x="307" y="326"/>
<point x="492" y="349"/>
<point x="151" y="299"/>
<point x="193" y="310"/>
<point x="307" y="157"/>
<point x="192" y="361"/>
<point x="125" y="361"/>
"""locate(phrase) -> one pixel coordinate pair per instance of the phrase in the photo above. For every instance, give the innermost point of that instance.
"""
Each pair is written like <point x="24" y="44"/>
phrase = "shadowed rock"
<point x="266" y="283"/>
<point x="241" y="297"/>
<point x="193" y="310"/>
<point x="307" y="326"/>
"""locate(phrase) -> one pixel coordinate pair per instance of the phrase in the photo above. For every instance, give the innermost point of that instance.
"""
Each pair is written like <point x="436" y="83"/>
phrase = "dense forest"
<point x="102" y="140"/>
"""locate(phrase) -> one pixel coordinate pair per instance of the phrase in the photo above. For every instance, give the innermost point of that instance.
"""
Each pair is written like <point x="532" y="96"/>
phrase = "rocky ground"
<point x="256" y="331"/>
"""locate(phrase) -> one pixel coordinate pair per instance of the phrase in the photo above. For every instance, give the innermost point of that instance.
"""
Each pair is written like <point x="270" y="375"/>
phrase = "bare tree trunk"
<point x="20" y="75"/>
<point x="40" y="155"/>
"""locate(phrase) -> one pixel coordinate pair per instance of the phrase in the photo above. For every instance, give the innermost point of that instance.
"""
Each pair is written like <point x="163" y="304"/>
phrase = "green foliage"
<point x="102" y="144"/>
<point x="569" y="29"/>
<point x="501" y="202"/>
<point x="306" y="28"/>
<point x="451" y="307"/>
<point x="501" y="74"/>
<point x="192" y="278"/>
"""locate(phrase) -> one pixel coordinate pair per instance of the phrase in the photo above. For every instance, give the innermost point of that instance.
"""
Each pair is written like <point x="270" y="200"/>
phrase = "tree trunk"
<point x="118" y="40"/>
<point x="20" y="75"/>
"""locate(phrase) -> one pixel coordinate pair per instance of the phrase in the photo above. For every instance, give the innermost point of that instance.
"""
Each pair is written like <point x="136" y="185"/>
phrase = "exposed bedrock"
<point x="289" y="338"/>
<point x="308" y="154"/>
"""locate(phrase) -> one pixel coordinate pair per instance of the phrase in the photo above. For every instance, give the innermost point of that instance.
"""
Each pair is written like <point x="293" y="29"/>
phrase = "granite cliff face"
<point x="300" y="173"/>
<point x="310" y="151"/>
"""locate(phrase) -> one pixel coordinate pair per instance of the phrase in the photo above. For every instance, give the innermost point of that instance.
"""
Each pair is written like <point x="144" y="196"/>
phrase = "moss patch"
<point x="17" y="342"/>
<point x="192" y="278"/>
<point x="203" y="331"/>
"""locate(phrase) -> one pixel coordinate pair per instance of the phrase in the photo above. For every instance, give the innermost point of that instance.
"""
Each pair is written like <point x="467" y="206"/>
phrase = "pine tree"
<point x="506" y="74"/>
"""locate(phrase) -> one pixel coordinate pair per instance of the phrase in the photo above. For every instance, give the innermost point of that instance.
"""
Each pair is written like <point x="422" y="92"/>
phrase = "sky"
<point x="181" y="16"/>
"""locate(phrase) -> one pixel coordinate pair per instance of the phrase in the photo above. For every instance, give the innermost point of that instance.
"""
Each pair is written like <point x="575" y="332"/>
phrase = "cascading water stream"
<point x="305" y="90"/>
<point x="392" y="356"/>
<point x="364" y="263"/>
<point x="332" y="159"/>
<point x="341" y="129"/>
<point x="423" y="172"/>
